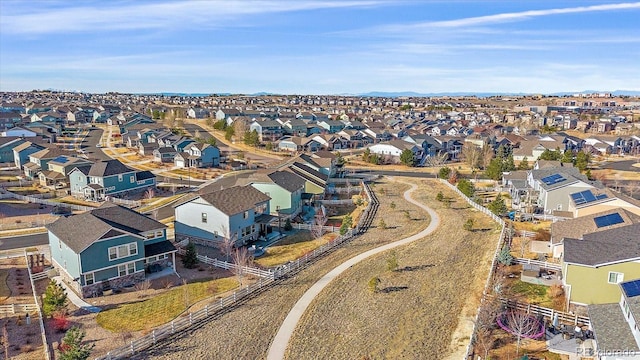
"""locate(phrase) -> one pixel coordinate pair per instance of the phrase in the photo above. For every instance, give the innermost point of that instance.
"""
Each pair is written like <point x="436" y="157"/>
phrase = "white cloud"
<point x="175" y="14"/>
<point x="510" y="17"/>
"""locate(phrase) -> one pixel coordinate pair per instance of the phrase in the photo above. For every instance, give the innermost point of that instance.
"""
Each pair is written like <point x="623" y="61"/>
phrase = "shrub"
<point x="288" y="226"/>
<point x="440" y="196"/>
<point x="505" y="257"/>
<point x="347" y="222"/>
<point x="392" y="261"/>
<point x="444" y="172"/>
<point x="72" y="347"/>
<point x="373" y="284"/>
<point x="60" y="322"/>
<point x="55" y="298"/>
<point x="466" y="187"/>
<point x="468" y="225"/>
<point x="190" y="258"/>
<point x="382" y="224"/>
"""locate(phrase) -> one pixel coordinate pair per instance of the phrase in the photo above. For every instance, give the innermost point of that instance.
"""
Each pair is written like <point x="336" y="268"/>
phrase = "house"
<point x="295" y="127"/>
<point x="268" y="130"/>
<point x="240" y="213"/>
<point x="197" y="113"/>
<point x="22" y="151"/>
<point x="39" y="159"/>
<point x="298" y="144"/>
<point x="284" y="188"/>
<point x="589" y="202"/>
<point x="6" y="148"/>
<point x="19" y="132"/>
<point x="146" y="149"/>
<point x="577" y="227"/>
<point x="331" y="126"/>
<point x="593" y="266"/>
<point x="110" y="178"/>
<point x="394" y="149"/>
<point x="616" y="325"/>
<point x="107" y="248"/>
<point x="315" y="181"/>
<point x="59" y="168"/>
<point x="555" y="185"/>
<point x="198" y="155"/>
<point x="164" y="154"/>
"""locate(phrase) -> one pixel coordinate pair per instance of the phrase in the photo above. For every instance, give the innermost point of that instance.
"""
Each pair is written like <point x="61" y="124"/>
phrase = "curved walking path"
<point x="280" y="342"/>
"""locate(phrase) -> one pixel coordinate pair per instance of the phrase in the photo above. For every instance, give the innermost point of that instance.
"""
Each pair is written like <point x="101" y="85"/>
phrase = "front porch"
<point x="51" y="179"/>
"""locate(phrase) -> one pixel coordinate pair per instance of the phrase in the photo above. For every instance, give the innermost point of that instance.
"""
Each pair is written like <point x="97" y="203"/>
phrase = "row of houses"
<point x="597" y="243"/>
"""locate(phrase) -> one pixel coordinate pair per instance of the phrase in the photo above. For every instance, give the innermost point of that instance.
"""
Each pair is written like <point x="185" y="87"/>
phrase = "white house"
<point x="19" y="132"/>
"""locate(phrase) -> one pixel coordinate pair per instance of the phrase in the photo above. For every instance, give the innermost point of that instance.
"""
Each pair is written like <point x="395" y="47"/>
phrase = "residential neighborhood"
<point x="141" y="189"/>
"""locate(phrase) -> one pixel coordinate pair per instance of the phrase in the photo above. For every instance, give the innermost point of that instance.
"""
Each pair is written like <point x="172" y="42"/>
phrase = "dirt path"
<point x="281" y="340"/>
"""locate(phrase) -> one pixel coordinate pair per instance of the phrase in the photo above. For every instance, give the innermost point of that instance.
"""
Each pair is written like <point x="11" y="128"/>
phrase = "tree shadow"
<point x="481" y="230"/>
<point x="414" y="268"/>
<point x="390" y="289"/>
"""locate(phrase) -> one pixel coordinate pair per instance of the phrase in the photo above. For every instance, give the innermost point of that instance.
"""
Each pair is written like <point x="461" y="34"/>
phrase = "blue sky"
<point x="320" y="47"/>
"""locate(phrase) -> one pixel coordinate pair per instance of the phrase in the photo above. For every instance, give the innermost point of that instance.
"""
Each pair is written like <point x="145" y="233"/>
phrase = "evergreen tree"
<point x="498" y="206"/>
<point x="582" y="161"/>
<point x="72" y="347"/>
<point x="567" y="157"/>
<point x="190" y="258"/>
<point x="524" y="164"/>
<point x="347" y="222"/>
<point x="505" y="257"/>
<point x="407" y="157"/>
<point x="494" y="170"/>
<point x="466" y="187"/>
<point x="251" y="138"/>
<point x="508" y="164"/>
<point x="55" y="298"/>
<point x="366" y="155"/>
<point x="444" y="172"/>
<point x="554" y="155"/>
<point x="229" y="132"/>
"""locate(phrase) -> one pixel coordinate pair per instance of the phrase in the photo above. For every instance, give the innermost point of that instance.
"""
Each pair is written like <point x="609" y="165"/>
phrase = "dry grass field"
<point x="418" y="307"/>
<point x="415" y="322"/>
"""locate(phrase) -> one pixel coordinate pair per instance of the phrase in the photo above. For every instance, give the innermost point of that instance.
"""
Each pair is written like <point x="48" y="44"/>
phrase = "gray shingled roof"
<point x="109" y="168"/>
<point x="80" y="231"/>
<point x="577" y="227"/>
<point x="236" y="199"/>
<point x="288" y="181"/>
<point x="604" y="247"/>
<point x="610" y="328"/>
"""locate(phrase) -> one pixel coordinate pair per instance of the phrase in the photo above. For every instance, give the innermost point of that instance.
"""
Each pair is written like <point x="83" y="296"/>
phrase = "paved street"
<point x="16" y="242"/>
<point x="89" y="145"/>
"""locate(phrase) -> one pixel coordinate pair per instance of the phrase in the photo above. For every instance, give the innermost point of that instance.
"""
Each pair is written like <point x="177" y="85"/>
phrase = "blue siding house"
<point x="109" y="178"/>
<point x="240" y="213"/>
<point x="107" y="248"/>
<point x="21" y="152"/>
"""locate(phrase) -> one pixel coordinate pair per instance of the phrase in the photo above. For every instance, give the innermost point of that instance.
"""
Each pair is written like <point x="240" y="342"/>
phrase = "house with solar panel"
<point x="596" y="263"/>
<point x="38" y="161"/>
<point x="591" y="201"/>
<point x="57" y="172"/>
<point x="108" y="248"/>
<point x="617" y="325"/>
<point x="108" y="178"/>
<point x="552" y="187"/>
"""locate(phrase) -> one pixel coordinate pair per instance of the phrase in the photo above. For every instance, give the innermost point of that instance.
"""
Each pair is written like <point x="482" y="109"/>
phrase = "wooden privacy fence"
<point x="548" y="313"/>
<point x="542" y="264"/>
<point x="18" y="308"/>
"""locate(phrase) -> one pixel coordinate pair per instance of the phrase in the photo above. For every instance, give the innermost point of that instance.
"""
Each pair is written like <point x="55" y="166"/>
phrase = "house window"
<point x="215" y="233"/>
<point x="159" y="233"/>
<point x="132" y="179"/>
<point x="122" y="251"/>
<point x="615" y="277"/>
<point x="89" y="279"/>
<point x="245" y="215"/>
<point x="126" y="269"/>
<point x="119" y="177"/>
<point x="204" y="217"/>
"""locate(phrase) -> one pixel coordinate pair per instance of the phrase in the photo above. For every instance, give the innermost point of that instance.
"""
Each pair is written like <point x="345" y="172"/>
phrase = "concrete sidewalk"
<point x="281" y="340"/>
<point x="75" y="299"/>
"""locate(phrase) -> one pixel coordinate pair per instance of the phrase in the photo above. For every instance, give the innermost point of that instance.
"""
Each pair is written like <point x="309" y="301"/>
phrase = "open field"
<point x="292" y="248"/>
<point x="236" y="331"/>
<point x="246" y="332"/>
<point x="418" y="307"/>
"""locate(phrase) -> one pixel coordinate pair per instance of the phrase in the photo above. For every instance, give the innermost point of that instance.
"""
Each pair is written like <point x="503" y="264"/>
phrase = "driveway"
<point x="281" y="340"/>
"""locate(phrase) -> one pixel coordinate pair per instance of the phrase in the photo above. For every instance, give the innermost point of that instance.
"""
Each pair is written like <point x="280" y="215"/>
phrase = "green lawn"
<point x="162" y="308"/>
<point x="533" y="293"/>
<point x="292" y="247"/>
<point x="5" y="292"/>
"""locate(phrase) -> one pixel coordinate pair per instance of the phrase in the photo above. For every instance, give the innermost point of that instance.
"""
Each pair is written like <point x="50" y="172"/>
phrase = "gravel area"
<point x="247" y="331"/>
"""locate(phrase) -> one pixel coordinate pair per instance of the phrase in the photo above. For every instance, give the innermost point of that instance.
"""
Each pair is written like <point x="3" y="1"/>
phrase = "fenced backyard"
<point x="266" y="278"/>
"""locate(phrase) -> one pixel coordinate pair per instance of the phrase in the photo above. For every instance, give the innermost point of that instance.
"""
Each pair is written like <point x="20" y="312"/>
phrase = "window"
<point x="126" y="269"/>
<point x="159" y="233"/>
<point x="204" y="217"/>
<point x="615" y="277"/>
<point x="122" y="251"/>
<point x="245" y="215"/>
<point x="215" y="233"/>
<point x="119" y="177"/>
<point x="89" y="279"/>
<point x="132" y="179"/>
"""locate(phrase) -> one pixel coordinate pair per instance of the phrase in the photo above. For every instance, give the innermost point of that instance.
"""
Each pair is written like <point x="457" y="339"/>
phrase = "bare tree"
<point x="240" y="127"/>
<point x="487" y="155"/>
<point x="632" y="188"/>
<point x="470" y="154"/>
<point x="524" y="244"/>
<point x="5" y="341"/>
<point x="436" y="160"/>
<point x="317" y="227"/>
<point x="149" y="194"/>
<point x="242" y="258"/>
<point x="142" y="287"/>
<point x="521" y="325"/>
<point x="227" y="243"/>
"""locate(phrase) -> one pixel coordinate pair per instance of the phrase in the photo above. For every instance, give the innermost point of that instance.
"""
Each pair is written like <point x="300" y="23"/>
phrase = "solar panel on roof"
<point x="552" y="179"/>
<point x="601" y="196"/>
<point x="586" y="196"/>
<point x="606" y="220"/>
<point x="631" y="288"/>
<point x="60" y="159"/>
